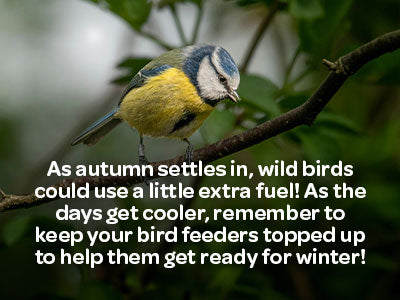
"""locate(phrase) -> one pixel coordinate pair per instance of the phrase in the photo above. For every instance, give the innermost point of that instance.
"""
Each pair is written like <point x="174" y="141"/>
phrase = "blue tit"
<point x="172" y="96"/>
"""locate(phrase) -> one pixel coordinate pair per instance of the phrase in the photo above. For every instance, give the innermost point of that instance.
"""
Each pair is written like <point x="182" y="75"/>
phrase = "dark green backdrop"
<point x="360" y="126"/>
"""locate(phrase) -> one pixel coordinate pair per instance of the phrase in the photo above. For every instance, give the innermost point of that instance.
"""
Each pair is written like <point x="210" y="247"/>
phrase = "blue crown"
<point x="227" y="62"/>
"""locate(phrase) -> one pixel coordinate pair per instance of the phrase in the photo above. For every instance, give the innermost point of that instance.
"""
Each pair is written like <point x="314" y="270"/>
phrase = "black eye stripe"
<point x="223" y="80"/>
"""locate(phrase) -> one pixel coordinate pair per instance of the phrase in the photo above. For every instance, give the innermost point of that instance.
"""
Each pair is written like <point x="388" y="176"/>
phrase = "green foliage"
<point x="253" y="2"/>
<point x="306" y="9"/>
<point x="259" y="93"/>
<point x="225" y="279"/>
<point x="383" y="71"/>
<point x="164" y="3"/>
<point x="370" y="18"/>
<point x="337" y="123"/>
<point x="14" y="230"/>
<point x="318" y="145"/>
<point x="291" y="101"/>
<point x="317" y="36"/>
<point x="360" y="127"/>
<point x="382" y="262"/>
<point x="23" y="227"/>
<point x="217" y="125"/>
<point x="135" y="12"/>
<point x="99" y="291"/>
<point x="130" y="66"/>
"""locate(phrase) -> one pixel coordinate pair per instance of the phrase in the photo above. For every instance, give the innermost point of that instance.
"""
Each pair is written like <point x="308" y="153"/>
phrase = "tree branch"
<point x="195" y="34"/>
<point x="178" y="24"/>
<point x="276" y="5"/>
<point x="156" y="40"/>
<point x="290" y="67"/>
<point x="304" y="114"/>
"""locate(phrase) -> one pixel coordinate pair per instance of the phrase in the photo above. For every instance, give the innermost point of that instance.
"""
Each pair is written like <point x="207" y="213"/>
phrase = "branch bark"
<point x="304" y="114"/>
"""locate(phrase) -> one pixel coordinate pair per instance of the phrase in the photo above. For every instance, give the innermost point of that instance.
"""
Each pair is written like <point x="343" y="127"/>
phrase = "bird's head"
<point x="213" y="72"/>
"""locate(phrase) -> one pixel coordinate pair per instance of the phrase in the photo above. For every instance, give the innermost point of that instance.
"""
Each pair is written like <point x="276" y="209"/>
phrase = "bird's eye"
<point x="222" y="79"/>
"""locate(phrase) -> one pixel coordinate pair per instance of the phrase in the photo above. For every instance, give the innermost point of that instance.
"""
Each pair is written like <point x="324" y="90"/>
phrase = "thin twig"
<point x="301" y="76"/>
<point x="304" y="114"/>
<point x="178" y="24"/>
<point x="196" y="27"/>
<point x="289" y="68"/>
<point x="156" y="40"/>
<point x="337" y="66"/>
<point x="276" y="5"/>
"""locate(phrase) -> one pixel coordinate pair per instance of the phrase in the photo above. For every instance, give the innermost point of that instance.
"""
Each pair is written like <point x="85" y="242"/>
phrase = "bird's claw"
<point x="143" y="160"/>
<point x="189" y="154"/>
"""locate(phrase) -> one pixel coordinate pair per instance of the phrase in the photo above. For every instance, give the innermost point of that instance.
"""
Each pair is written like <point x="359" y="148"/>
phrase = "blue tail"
<point x="98" y="129"/>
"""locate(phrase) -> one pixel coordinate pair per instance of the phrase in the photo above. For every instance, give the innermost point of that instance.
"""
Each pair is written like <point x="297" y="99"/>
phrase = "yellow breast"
<point x="154" y="108"/>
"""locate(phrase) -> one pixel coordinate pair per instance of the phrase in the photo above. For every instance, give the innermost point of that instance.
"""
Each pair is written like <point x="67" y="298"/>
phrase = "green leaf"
<point x="217" y="125"/>
<point x="336" y="122"/>
<point x="306" y="9"/>
<point x="260" y="93"/>
<point x="163" y="3"/>
<point x="135" y="12"/>
<point x="317" y="145"/>
<point x="226" y="277"/>
<point x="382" y="262"/>
<point x="253" y="2"/>
<point x="318" y="35"/>
<point x="133" y="281"/>
<point x="384" y="70"/>
<point x="135" y="63"/>
<point x="15" y="229"/>
<point x="131" y="66"/>
<point x="384" y="146"/>
<point x="122" y="80"/>
<point x="99" y="291"/>
<point x="291" y="101"/>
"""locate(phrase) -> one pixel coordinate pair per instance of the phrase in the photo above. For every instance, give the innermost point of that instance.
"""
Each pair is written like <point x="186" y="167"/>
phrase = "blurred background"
<point x="65" y="63"/>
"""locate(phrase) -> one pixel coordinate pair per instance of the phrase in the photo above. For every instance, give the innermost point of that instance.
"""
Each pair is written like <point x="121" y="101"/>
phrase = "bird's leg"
<point x="142" y="160"/>
<point x="142" y="157"/>
<point x="189" y="151"/>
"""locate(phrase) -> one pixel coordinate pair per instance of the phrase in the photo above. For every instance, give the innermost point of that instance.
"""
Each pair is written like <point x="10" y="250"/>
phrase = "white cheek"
<point x="208" y="82"/>
<point x="234" y="83"/>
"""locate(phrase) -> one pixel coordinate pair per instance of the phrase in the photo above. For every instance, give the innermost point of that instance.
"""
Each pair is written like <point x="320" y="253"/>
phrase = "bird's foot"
<point x="143" y="160"/>
<point x="189" y="154"/>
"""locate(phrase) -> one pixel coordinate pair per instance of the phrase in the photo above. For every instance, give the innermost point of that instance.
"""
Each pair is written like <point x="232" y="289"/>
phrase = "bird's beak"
<point x="233" y="95"/>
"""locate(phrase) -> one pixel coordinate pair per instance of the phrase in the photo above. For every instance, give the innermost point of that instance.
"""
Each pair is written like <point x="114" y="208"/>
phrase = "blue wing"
<point x="98" y="129"/>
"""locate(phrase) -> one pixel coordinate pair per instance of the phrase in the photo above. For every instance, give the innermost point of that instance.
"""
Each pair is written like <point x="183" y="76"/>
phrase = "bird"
<point x="171" y="96"/>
